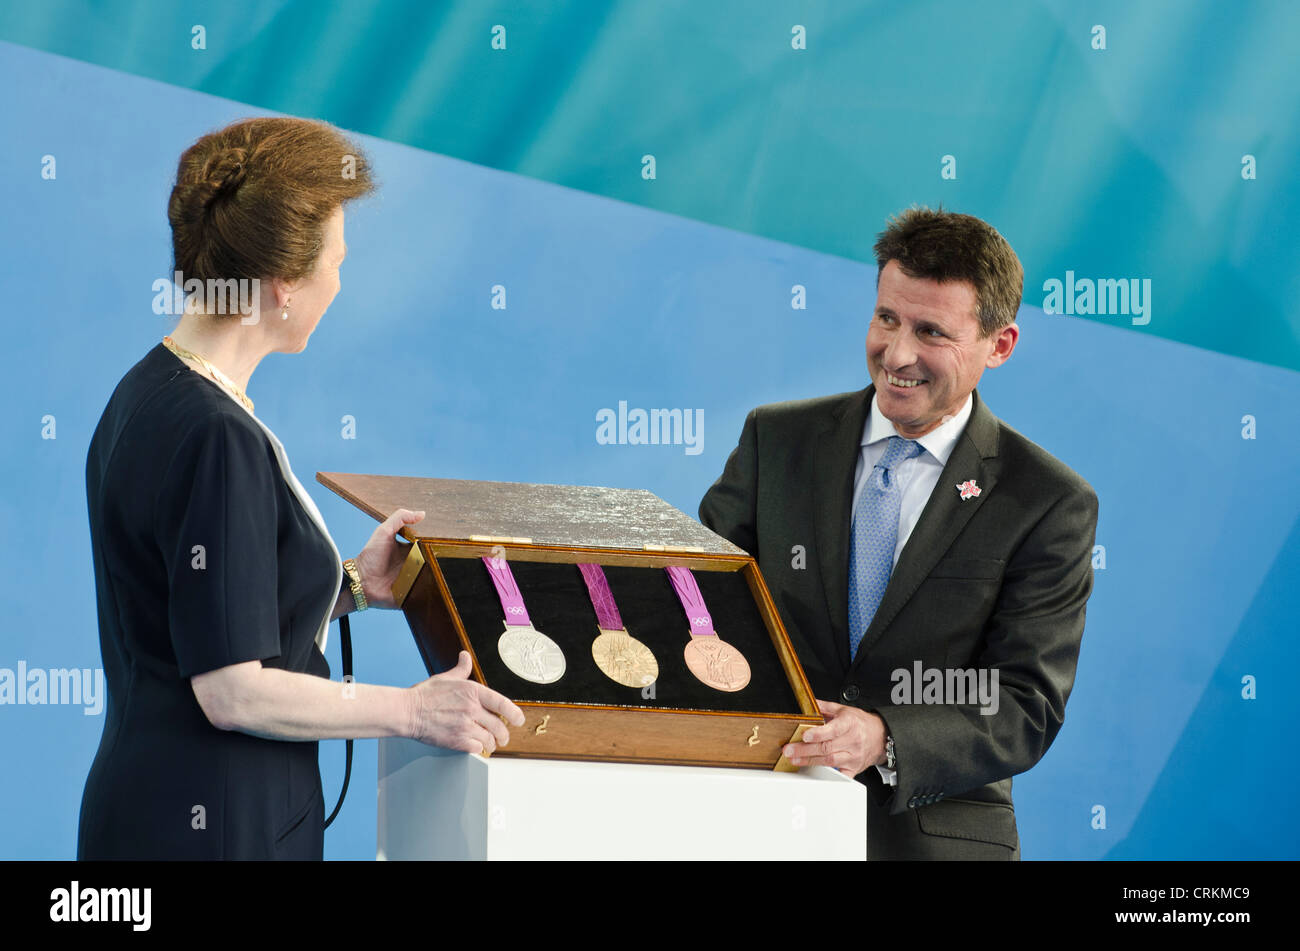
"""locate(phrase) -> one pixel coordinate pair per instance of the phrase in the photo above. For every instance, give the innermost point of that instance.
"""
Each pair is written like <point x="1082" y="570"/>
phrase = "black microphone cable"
<point x="345" y="647"/>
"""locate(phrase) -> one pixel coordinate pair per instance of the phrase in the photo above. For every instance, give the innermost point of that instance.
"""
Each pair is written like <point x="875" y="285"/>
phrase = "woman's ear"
<point x="281" y="291"/>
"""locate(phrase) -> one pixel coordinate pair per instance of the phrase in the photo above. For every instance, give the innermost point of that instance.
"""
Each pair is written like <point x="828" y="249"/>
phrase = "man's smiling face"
<point x="924" y="349"/>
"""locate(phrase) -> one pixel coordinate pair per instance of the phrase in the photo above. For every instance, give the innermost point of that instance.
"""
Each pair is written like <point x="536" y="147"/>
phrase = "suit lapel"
<point x="837" y="449"/>
<point x="944" y="516"/>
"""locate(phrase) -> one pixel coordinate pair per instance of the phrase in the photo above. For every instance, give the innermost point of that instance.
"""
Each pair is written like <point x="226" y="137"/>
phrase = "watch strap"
<point x="353" y="576"/>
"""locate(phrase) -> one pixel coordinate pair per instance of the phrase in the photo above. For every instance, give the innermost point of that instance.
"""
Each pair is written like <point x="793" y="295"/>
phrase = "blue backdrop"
<point x="675" y="292"/>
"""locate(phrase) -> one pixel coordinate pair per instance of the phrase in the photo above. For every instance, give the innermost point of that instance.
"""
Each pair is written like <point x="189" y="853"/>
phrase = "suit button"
<point x="850" y="693"/>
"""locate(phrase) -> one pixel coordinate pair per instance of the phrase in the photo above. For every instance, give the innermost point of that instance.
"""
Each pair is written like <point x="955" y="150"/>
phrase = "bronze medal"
<point x="716" y="663"/>
<point x="712" y="660"/>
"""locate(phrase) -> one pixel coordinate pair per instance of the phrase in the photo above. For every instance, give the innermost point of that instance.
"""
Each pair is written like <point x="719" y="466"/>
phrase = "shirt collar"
<point x="938" y="442"/>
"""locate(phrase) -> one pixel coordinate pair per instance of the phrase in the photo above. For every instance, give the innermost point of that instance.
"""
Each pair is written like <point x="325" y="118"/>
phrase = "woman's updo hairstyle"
<point x="251" y="200"/>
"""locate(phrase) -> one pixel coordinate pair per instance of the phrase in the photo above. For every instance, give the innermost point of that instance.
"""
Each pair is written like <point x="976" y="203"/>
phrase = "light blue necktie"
<point x="875" y="536"/>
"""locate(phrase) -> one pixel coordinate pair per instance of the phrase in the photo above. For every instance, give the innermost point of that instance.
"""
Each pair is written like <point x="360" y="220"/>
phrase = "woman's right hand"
<point x="452" y="711"/>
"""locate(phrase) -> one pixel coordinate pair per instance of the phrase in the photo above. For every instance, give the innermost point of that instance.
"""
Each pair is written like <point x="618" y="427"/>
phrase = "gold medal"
<point x="619" y="655"/>
<point x="624" y="659"/>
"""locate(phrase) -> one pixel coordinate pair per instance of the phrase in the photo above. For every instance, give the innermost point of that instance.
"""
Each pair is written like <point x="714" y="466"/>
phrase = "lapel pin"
<point x="969" y="489"/>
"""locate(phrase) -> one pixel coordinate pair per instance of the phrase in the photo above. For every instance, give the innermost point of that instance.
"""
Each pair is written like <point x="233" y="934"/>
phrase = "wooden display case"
<point x="544" y="532"/>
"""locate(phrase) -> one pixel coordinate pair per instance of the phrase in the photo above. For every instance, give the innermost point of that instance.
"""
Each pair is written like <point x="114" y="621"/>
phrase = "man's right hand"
<point x="454" y="712"/>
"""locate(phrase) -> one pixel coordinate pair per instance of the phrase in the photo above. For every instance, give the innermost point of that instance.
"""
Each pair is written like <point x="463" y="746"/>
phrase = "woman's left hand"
<point x="381" y="560"/>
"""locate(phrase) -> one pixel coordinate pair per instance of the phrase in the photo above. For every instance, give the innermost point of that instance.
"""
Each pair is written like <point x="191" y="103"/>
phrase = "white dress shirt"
<point x="916" y="478"/>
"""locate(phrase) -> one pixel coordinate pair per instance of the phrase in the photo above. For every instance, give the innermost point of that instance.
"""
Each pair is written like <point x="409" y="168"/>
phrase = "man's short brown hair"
<point x="944" y="246"/>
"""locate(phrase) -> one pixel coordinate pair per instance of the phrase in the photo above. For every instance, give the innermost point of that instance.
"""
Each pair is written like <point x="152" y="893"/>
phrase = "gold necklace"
<point x="216" y="374"/>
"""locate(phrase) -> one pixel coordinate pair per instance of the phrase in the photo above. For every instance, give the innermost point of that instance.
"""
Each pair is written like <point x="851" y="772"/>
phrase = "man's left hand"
<point x="850" y="740"/>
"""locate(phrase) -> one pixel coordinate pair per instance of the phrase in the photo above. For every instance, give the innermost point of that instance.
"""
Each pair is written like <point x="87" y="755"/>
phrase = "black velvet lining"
<point x="559" y="606"/>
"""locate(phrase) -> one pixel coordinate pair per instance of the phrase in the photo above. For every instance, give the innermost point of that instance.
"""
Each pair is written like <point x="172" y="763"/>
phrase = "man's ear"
<point x="1004" y="342"/>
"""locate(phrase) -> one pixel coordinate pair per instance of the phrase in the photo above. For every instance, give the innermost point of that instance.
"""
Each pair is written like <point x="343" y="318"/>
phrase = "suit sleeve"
<point x="731" y="504"/>
<point x="216" y="526"/>
<point x="1032" y="641"/>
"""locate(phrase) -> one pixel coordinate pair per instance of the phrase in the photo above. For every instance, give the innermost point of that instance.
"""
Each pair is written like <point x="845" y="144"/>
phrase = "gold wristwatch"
<point x="354" y="582"/>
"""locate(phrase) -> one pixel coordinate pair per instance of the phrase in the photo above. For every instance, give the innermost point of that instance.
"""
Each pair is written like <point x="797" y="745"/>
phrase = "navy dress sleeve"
<point x="216" y="528"/>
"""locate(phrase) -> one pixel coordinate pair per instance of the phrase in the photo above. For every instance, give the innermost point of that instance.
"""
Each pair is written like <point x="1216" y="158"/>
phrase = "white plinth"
<point x="434" y="804"/>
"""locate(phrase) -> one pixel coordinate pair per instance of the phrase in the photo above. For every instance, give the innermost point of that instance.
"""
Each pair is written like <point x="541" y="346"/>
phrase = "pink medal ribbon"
<point x="688" y="592"/>
<point x="512" y="601"/>
<point x="602" y="599"/>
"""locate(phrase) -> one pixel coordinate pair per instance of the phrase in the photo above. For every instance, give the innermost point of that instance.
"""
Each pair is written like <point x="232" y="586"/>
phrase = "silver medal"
<point x="530" y="654"/>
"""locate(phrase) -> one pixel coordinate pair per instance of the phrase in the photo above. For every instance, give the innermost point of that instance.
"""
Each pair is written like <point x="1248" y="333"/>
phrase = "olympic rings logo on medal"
<point x="701" y="621"/>
<point x="514" y="609"/>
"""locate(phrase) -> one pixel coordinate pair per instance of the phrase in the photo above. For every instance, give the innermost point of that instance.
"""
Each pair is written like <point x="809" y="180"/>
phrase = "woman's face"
<point x="310" y="298"/>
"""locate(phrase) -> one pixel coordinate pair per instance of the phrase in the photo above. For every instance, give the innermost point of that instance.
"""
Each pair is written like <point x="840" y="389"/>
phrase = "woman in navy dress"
<point x="215" y="576"/>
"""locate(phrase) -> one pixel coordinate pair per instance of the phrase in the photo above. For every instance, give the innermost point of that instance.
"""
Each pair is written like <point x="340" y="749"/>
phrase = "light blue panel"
<point x="610" y="302"/>
<point x="1105" y="137"/>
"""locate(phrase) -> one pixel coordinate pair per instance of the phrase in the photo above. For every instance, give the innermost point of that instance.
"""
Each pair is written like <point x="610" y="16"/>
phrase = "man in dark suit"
<point x="931" y="564"/>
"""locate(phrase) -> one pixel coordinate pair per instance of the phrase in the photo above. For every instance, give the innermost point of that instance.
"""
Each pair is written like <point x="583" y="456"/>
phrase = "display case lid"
<point x="569" y="516"/>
